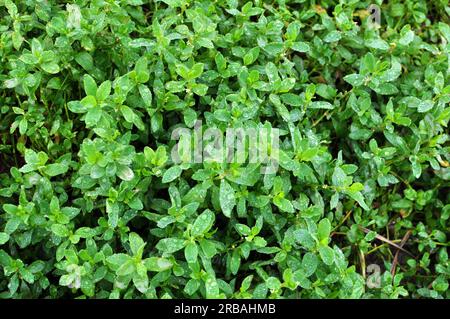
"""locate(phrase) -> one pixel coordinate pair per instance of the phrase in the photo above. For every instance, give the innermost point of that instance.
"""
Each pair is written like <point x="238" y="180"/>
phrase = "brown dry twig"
<point x="395" y="261"/>
<point x="384" y="239"/>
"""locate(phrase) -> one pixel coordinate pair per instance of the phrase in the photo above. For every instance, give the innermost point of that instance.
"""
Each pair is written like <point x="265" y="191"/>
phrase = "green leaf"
<point x="323" y="231"/>
<point x="200" y="89"/>
<point x="146" y="95"/>
<point x="171" y="174"/>
<point x="89" y="102"/>
<point x="226" y="197"/>
<point x="274" y="48"/>
<point x="281" y="109"/>
<point x="60" y="230"/>
<point x="131" y="117"/>
<point x="192" y="286"/>
<point x="211" y="287"/>
<point x="23" y="126"/>
<point x="305" y="239"/>
<point x="272" y="72"/>
<point x="291" y="99"/>
<point x="127" y="113"/>
<point x="235" y="262"/>
<point x="56" y="169"/>
<point x="242" y="229"/>
<point x="141" y="68"/>
<point x="385" y="89"/>
<point x="321" y="105"/>
<point x="293" y="30"/>
<point x="283" y="204"/>
<point x="359" y="198"/>
<point x="85" y="60"/>
<point x="327" y="255"/>
<point x="140" y="281"/>
<point x="332" y="36"/>
<point x="157" y="264"/>
<point x="354" y="79"/>
<point x="4" y="237"/>
<point x="208" y="248"/>
<point x="174" y="3"/>
<point x="103" y="91"/>
<point x="191" y="253"/>
<point x="195" y="71"/>
<point x="50" y="67"/>
<point x="273" y="283"/>
<point x="309" y="264"/>
<point x="425" y="106"/>
<point x="10" y="208"/>
<point x="377" y="44"/>
<point x="127" y="268"/>
<point x="407" y="36"/>
<point x="251" y="56"/>
<point x="90" y="87"/>
<point x="203" y="223"/>
<point x="76" y="107"/>
<point x="170" y="245"/>
<point x="301" y="47"/>
<point x="393" y="73"/>
<point x="125" y="173"/>
<point x="136" y="244"/>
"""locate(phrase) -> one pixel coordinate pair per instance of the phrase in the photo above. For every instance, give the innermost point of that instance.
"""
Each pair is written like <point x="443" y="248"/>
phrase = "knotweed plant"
<point x="224" y="149"/>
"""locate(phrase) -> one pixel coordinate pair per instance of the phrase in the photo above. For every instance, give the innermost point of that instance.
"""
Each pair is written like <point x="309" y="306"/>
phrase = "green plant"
<point x="92" y="205"/>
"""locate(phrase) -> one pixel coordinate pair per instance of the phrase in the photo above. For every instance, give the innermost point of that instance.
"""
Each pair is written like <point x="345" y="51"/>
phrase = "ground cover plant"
<point x="93" y="205"/>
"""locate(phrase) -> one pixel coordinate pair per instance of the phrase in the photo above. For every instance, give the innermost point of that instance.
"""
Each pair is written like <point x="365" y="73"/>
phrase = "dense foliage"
<point x="92" y="205"/>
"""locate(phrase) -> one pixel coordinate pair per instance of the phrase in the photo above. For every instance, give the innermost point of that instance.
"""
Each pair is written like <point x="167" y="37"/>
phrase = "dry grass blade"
<point x="384" y="239"/>
<point x="403" y="242"/>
